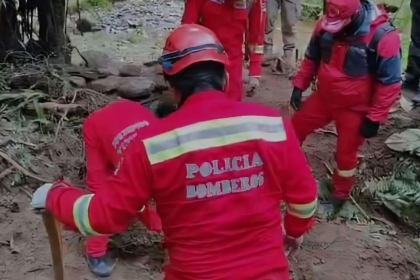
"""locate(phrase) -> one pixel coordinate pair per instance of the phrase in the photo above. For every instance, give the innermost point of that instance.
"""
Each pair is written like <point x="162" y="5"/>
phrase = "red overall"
<point x="107" y="133"/>
<point x="347" y="91"/>
<point x="217" y="178"/>
<point x="228" y="20"/>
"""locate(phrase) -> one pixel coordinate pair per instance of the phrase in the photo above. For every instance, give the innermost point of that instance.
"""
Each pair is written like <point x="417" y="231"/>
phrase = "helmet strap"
<point x="167" y="60"/>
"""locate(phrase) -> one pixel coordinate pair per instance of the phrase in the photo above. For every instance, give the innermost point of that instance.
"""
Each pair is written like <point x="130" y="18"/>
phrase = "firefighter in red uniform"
<point x="355" y="54"/>
<point x="217" y="170"/>
<point x="228" y="19"/>
<point x="107" y="133"/>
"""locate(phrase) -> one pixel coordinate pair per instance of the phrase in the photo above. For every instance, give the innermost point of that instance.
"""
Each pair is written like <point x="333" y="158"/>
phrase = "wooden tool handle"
<point x="54" y="235"/>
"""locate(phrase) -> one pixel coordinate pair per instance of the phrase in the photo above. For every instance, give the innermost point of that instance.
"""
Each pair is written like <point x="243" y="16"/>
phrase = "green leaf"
<point x="406" y="141"/>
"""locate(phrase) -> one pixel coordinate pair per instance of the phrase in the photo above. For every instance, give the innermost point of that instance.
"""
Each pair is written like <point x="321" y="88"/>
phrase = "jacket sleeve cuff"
<point x="383" y="98"/>
<point x="305" y="75"/>
<point x="296" y="227"/>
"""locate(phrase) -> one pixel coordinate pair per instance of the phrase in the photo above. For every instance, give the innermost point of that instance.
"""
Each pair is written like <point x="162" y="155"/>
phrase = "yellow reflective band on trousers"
<point x="81" y="215"/>
<point x="303" y="211"/>
<point x="256" y="49"/>
<point x="213" y="134"/>
<point x="347" y="173"/>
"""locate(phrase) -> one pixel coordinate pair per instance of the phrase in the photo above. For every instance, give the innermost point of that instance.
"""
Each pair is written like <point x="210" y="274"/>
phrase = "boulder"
<point x="135" y="87"/>
<point x="96" y="59"/>
<point x="106" y="85"/>
<point x="129" y="70"/>
<point x="109" y="71"/>
<point x="155" y="73"/>
<point x="78" y="82"/>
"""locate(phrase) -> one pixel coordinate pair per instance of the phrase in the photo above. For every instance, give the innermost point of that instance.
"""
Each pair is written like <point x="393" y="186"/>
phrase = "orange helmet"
<point x="188" y="44"/>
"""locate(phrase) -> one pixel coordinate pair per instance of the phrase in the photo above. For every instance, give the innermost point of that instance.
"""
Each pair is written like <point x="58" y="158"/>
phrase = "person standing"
<point x="231" y="20"/>
<point x="412" y="72"/>
<point x="355" y="53"/>
<point x="289" y="16"/>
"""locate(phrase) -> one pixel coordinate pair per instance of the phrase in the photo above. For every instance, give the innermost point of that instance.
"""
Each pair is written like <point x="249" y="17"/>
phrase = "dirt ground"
<point x="332" y="251"/>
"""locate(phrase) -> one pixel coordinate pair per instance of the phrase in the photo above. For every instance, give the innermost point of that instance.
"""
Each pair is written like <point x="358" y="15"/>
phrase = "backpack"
<point x="374" y="42"/>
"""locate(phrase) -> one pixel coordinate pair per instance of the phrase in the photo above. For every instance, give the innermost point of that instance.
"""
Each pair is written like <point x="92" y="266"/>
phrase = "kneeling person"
<point x="107" y="133"/>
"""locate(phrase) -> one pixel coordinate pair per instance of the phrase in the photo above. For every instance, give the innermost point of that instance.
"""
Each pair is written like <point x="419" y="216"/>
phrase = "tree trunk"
<point x="52" y="22"/>
<point x="10" y="38"/>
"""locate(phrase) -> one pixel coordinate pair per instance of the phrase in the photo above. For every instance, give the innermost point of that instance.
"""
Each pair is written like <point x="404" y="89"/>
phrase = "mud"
<point x="333" y="251"/>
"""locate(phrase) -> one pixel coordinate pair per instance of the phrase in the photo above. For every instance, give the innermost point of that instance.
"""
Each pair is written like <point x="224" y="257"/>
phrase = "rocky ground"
<point x="379" y="250"/>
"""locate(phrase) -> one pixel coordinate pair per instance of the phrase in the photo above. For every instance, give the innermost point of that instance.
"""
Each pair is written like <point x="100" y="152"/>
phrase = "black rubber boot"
<point x="337" y="204"/>
<point x="102" y="266"/>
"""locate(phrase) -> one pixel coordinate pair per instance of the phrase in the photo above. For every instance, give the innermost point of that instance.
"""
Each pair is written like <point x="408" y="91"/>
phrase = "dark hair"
<point x="198" y="77"/>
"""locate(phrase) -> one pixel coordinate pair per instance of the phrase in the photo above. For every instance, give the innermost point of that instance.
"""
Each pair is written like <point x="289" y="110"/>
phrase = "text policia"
<point x="209" y="188"/>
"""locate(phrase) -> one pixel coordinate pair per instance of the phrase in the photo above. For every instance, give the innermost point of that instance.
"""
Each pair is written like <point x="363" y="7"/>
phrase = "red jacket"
<point x="217" y="178"/>
<point x="107" y="133"/>
<point x="228" y="20"/>
<point x="344" y="79"/>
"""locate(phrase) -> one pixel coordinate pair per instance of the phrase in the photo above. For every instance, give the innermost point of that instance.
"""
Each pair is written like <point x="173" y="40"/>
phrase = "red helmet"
<point x="188" y="44"/>
<point x="339" y="14"/>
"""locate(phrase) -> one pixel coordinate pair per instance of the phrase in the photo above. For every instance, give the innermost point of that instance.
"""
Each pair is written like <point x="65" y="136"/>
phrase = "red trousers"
<point x="97" y="246"/>
<point x="235" y="86"/>
<point x="316" y="113"/>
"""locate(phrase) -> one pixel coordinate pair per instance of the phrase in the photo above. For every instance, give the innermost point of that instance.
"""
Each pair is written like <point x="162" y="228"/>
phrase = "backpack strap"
<point x="374" y="42"/>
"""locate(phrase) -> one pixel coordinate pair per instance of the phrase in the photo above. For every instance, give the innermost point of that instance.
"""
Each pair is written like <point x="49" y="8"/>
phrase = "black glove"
<point x="296" y="99"/>
<point x="369" y="128"/>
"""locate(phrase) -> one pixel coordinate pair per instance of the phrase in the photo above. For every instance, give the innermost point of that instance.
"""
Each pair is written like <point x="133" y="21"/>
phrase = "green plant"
<point x="400" y="193"/>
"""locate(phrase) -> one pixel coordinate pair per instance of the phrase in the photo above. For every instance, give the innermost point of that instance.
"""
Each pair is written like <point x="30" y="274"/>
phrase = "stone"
<point x="78" y="82"/>
<point x="77" y="59"/>
<point x="133" y="87"/>
<point x="129" y="70"/>
<point x="108" y="71"/>
<point x="83" y="25"/>
<point x="106" y="85"/>
<point x="96" y="59"/>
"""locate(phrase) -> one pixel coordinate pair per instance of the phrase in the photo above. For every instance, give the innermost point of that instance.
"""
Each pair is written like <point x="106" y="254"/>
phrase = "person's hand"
<point x="296" y="99"/>
<point x="39" y="197"/>
<point x="369" y="128"/>
<point x="291" y="245"/>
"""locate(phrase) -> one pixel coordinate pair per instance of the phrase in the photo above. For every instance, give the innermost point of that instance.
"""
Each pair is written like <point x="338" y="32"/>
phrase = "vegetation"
<point x="400" y="192"/>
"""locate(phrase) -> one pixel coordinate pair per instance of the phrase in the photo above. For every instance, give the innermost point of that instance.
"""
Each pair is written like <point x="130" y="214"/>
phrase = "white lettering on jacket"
<point x="128" y="134"/>
<point x="212" y="188"/>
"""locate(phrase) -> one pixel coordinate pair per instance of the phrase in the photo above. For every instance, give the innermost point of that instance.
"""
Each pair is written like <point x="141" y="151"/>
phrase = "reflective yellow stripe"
<point x="347" y="173"/>
<point x="212" y="134"/>
<point x="303" y="211"/>
<point x="81" y="215"/>
<point x="256" y="49"/>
